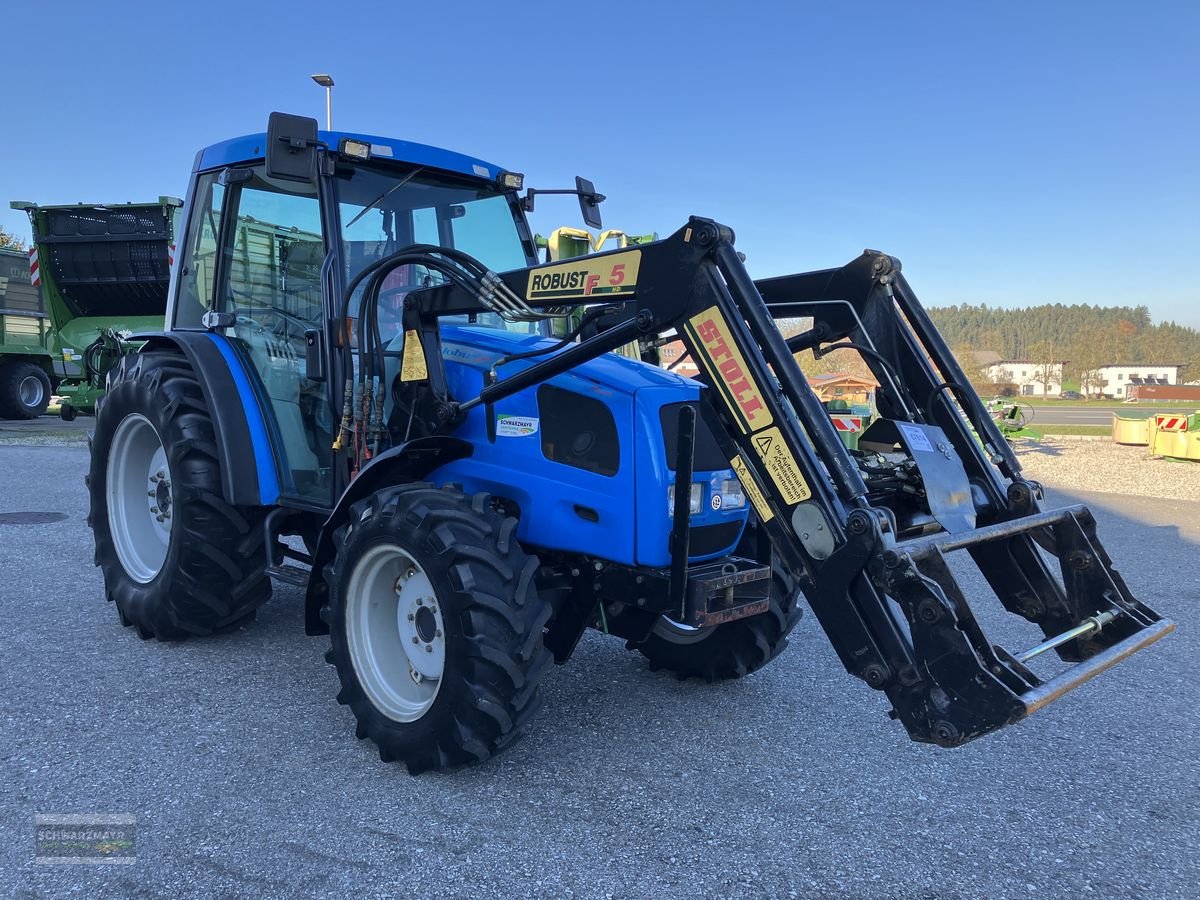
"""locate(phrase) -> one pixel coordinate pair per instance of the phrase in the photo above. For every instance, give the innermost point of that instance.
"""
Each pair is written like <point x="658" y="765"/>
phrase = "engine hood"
<point x="479" y="348"/>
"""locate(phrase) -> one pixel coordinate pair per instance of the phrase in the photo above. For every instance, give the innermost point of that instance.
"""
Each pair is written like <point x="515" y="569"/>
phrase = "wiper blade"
<point x="395" y="187"/>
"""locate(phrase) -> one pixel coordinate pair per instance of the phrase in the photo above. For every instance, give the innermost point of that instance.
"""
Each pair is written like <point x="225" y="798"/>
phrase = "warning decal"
<point x="600" y="277"/>
<point x="781" y="465"/>
<point x="726" y="368"/>
<point x="751" y="489"/>
<point x="412" y="364"/>
<point x="1171" y="423"/>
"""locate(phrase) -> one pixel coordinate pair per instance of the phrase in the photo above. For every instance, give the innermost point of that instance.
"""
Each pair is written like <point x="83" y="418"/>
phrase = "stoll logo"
<point x="731" y="373"/>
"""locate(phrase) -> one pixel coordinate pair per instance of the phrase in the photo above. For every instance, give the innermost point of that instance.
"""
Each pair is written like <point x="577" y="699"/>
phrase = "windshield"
<point x="382" y="210"/>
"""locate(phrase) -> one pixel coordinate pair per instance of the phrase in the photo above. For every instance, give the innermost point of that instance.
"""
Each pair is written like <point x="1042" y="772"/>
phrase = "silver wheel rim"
<point x="138" y="485"/>
<point x="395" y="633"/>
<point x="677" y="633"/>
<point x="31" y="391"/>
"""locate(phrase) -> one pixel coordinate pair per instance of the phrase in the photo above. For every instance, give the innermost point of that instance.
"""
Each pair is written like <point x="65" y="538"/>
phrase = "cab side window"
<point x="197" y="275"/>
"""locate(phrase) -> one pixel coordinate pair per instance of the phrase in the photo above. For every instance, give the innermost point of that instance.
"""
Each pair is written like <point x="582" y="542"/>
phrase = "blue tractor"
<point x="349" y="398"/>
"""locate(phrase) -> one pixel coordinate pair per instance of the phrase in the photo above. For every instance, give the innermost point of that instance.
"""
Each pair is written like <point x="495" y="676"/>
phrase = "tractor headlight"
<point x="693" y="499"/>
<point x="732" y="495"/>
<point x="354" y="149"/>
<point x="511" y="181"/>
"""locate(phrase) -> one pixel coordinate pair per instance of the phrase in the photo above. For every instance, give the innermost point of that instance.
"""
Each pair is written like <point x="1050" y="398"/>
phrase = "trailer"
<point x="100" y="272"/>
<point x="27" y="374"/>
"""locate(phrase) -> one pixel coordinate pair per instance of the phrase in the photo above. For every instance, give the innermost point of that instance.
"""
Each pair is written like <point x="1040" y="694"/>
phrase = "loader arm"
<point x="878" y="583"/>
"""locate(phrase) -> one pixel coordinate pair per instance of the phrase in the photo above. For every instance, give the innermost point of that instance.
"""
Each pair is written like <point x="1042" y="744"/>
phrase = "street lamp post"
<point x="326" y="81"/>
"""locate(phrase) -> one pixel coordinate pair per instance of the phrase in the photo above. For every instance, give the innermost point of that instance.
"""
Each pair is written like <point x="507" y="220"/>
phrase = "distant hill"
<point x="1087" y="336"/>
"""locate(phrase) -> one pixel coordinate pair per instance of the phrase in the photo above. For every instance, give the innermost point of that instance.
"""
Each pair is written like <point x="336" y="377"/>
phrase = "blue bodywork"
<point x="252" y="146"/>
<point x="634" y="521"/>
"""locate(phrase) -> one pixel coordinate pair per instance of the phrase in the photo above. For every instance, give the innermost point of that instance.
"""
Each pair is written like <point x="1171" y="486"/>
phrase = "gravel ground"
<point x="246" y="780"/>
<point x="1102" y="466"/>
<point x="45" y="431"/>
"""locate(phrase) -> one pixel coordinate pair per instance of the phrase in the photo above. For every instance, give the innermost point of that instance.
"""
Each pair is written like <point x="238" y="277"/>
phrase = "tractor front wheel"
<point x="726" y="651"/>
<point x="435" y="626"/>
<point x="177" y="559"/>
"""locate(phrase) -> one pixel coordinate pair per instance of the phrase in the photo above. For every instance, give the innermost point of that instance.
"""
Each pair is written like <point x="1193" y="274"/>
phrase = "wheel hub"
<point x="162" y="496"/>
<point x="31" y="391"/>
<point x="420" y="624"/>
<point x="426" y="625"/>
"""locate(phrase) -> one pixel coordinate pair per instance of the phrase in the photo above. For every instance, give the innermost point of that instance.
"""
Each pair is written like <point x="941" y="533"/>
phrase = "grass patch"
<point x="1056" y="401"/>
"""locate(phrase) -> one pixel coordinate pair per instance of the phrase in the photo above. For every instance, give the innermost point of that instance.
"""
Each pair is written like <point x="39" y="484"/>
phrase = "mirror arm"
<point x="591" y="197"/>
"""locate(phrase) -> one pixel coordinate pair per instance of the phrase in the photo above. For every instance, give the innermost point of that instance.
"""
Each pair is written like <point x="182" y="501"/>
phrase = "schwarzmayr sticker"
<point x="515" y="426"/>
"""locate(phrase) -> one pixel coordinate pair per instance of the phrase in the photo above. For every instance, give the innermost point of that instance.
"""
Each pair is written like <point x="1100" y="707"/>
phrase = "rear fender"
<point x="404" y="464"/>
<point x="248" y="473"/>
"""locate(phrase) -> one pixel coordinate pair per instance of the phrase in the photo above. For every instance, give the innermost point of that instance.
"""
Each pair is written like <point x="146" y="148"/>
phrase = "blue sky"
<point x="1010" y="153"/>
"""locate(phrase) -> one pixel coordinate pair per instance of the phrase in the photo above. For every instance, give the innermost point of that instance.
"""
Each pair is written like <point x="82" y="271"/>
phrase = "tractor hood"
<point x="480" y="348"/>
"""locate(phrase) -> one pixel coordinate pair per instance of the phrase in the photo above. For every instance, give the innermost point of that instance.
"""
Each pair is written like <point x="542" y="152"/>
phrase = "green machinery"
<point x="101" y="272"/>
<point x="26" y="367"/>
<point x="568" y="243"/>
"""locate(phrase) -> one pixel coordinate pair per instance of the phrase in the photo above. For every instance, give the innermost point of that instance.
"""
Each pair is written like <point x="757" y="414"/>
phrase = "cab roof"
<point x="253" y="146"/>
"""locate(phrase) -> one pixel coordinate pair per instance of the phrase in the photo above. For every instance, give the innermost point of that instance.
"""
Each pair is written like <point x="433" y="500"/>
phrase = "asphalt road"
<point x="1098" y="415"/>
<point x="246" y="779"/>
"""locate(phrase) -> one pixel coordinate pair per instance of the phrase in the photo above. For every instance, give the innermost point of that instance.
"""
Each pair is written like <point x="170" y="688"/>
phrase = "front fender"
<point x="249" y="476"/>
<point x="404" y="464"/>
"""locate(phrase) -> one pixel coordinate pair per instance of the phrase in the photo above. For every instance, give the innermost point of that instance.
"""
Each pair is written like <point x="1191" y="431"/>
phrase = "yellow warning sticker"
<point x="751" y="489"/>
<point x="597" y="277"/>
<point x="781" y="465"/>
<point x="727" y="369"/>
<point x="412" y="364"/>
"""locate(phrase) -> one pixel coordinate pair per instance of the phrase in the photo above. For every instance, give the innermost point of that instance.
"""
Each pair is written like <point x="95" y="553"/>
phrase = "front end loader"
<point x="475" y="489"/>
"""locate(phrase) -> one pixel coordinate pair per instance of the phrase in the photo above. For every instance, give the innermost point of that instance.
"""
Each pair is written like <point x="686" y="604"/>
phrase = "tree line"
<point x="1083" y="336"/>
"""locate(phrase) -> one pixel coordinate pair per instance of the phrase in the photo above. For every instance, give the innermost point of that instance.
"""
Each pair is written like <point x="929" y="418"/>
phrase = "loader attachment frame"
<point x="887" y="600"/>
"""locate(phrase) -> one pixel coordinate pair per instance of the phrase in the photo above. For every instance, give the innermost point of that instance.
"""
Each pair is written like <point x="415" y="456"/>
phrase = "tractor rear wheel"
<point x="435" y="626"/>
<point x="177" y="559"/>
<point x="24" y="390"/>
<point x="731" y="650"/>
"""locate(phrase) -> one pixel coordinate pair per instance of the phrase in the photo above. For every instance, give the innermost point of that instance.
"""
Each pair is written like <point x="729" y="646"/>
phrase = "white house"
<point x="1116" y="379"/>
<point x="1033" y="379"/>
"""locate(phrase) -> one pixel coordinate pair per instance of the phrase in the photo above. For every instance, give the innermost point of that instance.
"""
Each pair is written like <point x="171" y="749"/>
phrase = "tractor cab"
<point x="265" y="255"/>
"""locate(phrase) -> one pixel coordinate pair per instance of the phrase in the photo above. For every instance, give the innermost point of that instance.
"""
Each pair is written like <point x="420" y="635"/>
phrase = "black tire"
<point x="493" y="620"/>
<point x="213" y="574"/>
<point x="24" y="390"/>
<point x="731" y="650"/>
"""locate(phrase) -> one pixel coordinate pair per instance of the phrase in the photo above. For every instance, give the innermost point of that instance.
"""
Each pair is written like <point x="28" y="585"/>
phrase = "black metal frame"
<point x="891" y="608"/>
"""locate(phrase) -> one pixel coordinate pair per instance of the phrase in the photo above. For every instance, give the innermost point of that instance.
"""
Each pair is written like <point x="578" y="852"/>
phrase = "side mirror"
<point x="589" y="202"/>
<point x="292" y="147"/>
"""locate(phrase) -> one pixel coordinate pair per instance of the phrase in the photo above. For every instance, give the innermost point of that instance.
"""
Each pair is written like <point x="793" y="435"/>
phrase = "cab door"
<point x="273" y="248"/>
